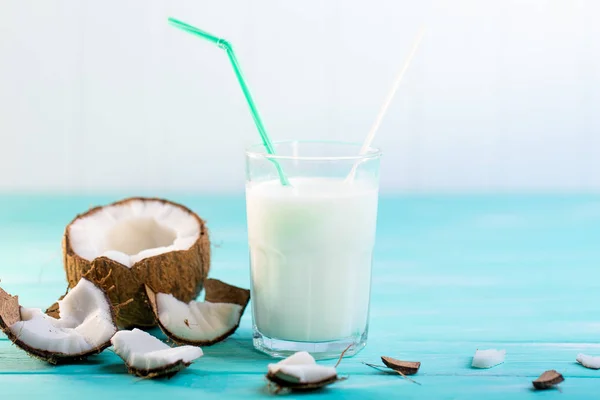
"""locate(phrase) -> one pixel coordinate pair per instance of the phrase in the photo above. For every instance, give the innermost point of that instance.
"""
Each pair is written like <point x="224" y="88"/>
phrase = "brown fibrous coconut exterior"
<point x="548" y="379"/>
<point x="180" y="273"/>
<point x="163" y="372"/>
<point x="405" y="367"/>
<point x="216" y="291"/>
<point x="299" y="386"/>
<point x="10" y="313"/>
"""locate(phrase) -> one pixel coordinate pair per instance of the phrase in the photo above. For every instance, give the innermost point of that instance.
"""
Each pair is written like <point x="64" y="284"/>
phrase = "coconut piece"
<point x="148" y="357"/>
<point x="404" y="367"/>
<point x="84" y="328"/>
<point x="590" y="362"/>
<point x="201" y="323"/>
<point x="138" y="241"/>
<point x="300" y="371"/>
<point x="548" y="379"/>
<point x="488" y="358"/>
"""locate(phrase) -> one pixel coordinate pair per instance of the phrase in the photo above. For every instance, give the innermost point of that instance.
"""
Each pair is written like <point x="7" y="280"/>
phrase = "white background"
<point x="104" y="95"/>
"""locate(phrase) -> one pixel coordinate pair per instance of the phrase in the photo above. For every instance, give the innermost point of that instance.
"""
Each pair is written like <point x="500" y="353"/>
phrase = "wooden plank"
<point x="438" y="358"/>
<point x="452" y="274"/>
<point x="194" y="384"/>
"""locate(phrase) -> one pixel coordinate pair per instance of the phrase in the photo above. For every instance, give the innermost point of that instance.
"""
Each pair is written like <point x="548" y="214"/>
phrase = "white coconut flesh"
<point x="85" y="323"/>
<point x="197" y="321"/>
<point x="589" y="361"/>
<point x="144" y="352"/>
<point x="488" y="358"/>
<point x="301" y="367"/>
<point x="132" y="231"/>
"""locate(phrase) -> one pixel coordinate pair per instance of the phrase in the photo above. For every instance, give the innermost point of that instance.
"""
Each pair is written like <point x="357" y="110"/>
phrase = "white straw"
<point x="388" y="100"/>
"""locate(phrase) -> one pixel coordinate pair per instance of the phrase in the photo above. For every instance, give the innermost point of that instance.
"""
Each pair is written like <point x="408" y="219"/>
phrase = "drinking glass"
<point x="311" y="246"/>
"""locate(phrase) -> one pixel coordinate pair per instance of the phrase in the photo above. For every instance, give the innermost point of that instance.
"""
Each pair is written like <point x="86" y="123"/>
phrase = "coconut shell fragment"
<point x="404" y="367"/>
<point x="9" y="310"/>
<point x="200" y="323"/>
<point x="217" y="291"/>
<point x="300" y="372"/>
<point x="86" y="330"/>
<point x="163" y="372"/>
<point x="547" y="380"/>
<point x="301" y="386"/>
<point x="148" y="357"/>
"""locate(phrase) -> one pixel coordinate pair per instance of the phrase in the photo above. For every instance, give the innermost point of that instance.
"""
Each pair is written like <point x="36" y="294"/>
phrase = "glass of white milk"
<point x="311" y="246"/>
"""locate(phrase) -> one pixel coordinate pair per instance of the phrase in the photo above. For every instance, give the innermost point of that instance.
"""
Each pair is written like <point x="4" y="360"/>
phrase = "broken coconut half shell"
<point x="148" y="357"/>
<point x="200" y="323"/>
<point x="138" y="241"/>
<point x="85" y="326"/>
<point x="300" y="371"/>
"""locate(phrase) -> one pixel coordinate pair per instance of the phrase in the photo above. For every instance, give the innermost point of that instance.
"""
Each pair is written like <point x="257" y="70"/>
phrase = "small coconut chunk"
<point x="85" y="325"/>
<point x="404" y="367"/>
<point x="547" y="380"/>
<point x="147" y="356"/>
<point x="301" y="372"/>
<point x="488" y="358"/>
<point x="590" y="362"/>
<point x="200" y="323"/>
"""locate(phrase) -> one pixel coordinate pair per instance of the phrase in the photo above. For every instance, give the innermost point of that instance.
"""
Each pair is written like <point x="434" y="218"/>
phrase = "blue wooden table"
<point x="452" y="274"/>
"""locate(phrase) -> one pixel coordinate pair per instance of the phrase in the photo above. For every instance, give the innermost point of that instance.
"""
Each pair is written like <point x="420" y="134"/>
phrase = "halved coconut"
<point x="85" y="326"/>
<point x="134" y="242"/>
<point x="148" y="357"/>
<point x="300" y="371"/>
<point x="201" y="323"/>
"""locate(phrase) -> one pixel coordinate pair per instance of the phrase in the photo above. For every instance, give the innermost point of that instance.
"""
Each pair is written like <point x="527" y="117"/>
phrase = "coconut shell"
<point x="180" y="273"/>
<point x="298" y="386"/>
<point x="10" y="313"/>
<point x="405" y="367"/>
<point x="216" y="291"/>
<point x="163" y="372"/>
<point x="547" y="380"/>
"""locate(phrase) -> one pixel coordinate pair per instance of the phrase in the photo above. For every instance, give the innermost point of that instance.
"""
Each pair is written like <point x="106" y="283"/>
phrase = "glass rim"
<point x="258" y="150"/>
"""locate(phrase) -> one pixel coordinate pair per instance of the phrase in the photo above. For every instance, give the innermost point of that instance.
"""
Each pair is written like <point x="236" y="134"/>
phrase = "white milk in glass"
<point x="311" y="249"/>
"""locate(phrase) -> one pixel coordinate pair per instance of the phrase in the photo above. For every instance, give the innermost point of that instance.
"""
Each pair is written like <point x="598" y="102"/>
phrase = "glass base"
<point x="319" y="350"/>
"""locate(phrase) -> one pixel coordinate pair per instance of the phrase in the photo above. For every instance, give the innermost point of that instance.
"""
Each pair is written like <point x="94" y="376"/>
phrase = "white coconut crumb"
<point x="85" y="323"/>
<point x="197" y="321"/>
<point x="589" y="361"/>
<point x="488" y="358"/>
<point x="130" y="232"/>
<point x="143" y="351"/>
<point x="301" y="367"/>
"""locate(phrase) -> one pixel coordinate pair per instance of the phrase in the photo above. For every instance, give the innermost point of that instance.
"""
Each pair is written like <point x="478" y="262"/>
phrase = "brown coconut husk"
<point x="216" y="291"/>
<point x="404" y="367"/>
<point x="547" y="380"/>
<point x="301" y="387"/>
<point x="167" y="371"/>
<point x="180" y="273"/>
<point x="10" y="313"/>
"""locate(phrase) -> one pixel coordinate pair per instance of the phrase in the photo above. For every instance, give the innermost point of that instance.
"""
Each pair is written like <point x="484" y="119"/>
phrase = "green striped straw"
<point x="224" y="44"/>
